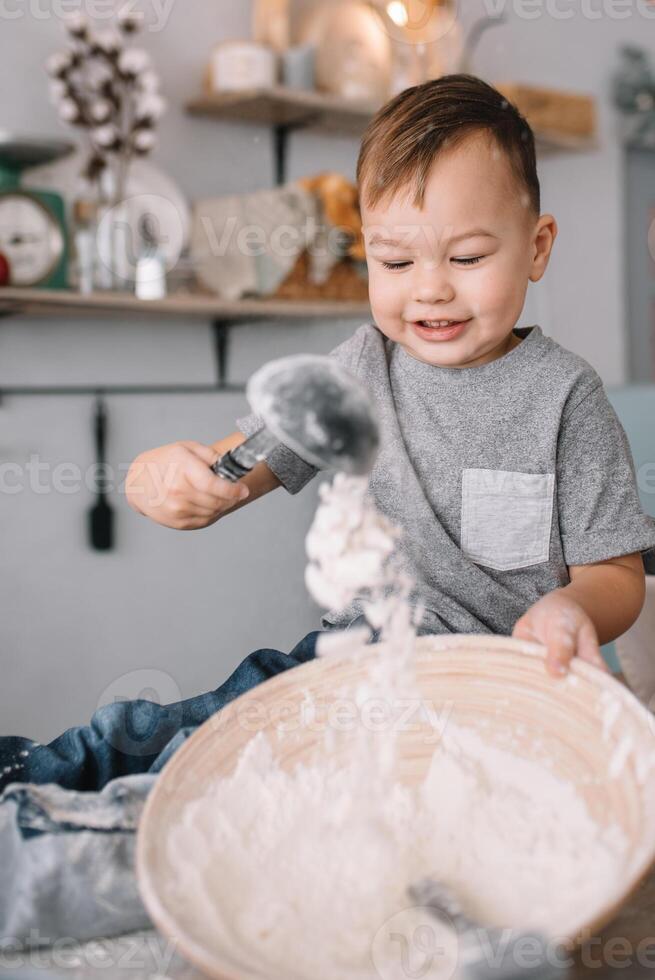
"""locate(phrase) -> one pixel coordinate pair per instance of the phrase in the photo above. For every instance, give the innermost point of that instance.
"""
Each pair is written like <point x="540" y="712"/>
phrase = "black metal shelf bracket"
<point x="281" y="134"/>
<point x="221" y="335"/>
<point x="280" y="151"/>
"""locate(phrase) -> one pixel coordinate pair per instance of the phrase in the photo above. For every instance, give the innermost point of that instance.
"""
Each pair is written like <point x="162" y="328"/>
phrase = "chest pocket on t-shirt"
<point x="506" y="517"/>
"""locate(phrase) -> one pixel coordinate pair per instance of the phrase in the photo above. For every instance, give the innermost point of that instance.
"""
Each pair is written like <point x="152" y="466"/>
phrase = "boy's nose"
<point x="432" y="285"/>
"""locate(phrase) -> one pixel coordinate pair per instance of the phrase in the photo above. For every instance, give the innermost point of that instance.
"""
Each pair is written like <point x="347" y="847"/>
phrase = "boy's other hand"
<point x="174" y="486"/>
<point x="564" y="628"/>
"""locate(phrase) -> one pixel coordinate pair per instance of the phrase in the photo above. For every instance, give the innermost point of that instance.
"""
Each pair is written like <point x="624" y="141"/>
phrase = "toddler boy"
<point x="501" y="456"/>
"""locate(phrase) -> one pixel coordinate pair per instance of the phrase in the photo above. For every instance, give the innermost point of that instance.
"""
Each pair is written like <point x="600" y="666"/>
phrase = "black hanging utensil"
<point x="101" y="515"/>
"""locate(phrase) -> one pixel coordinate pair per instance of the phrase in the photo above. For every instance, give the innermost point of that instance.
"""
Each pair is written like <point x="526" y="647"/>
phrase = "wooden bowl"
<point x="587" y="728"/>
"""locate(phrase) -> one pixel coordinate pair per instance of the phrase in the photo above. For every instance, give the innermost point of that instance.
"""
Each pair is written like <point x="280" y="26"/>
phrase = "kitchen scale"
<point x="33" y="228"/>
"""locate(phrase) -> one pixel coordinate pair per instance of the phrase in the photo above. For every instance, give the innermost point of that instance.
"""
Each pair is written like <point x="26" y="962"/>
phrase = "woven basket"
<point x="496" y="685"/>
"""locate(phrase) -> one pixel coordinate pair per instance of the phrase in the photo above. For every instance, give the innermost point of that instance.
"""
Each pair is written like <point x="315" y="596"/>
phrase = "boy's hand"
<point x="564" y="628"/>
<point x="174" y="486"/>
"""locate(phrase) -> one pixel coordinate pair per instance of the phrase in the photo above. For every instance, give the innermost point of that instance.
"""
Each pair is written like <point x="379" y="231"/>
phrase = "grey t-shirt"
<point x="501" y="476"/>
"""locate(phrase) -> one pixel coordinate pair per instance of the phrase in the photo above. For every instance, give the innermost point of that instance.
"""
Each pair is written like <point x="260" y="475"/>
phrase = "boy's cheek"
<point x="500" y="290"/>
<point x="387" y="300"/>
<point x="379" y="289"/>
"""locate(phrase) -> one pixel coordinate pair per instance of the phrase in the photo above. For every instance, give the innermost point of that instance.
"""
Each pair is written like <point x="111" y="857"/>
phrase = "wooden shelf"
<point x="60" y="302"/>
<point x="279" y="106"/>
<point x="285" y="107"/>
<point x="550" y="142"/>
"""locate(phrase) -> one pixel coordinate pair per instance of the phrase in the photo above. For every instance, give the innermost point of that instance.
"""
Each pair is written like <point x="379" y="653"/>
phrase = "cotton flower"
<point x="100" y="110"/>
<point x="106" y="136"/>
<point x="69" y="111"/>
<point x="58" y="64"/>
<point x="108" y="41"/>
<point x="110" y="90"/>
<point x="133" y="62"/>
<point x="98" y="75"/>
<point x="149" y="106"/>
<point x="78" y="51"/>
<point x="148" y="81"/>
<point x="129" y="21"/>
<point x="143" y="140"/>
<point x="77" y="24"/>
<point x="57" y="90"/>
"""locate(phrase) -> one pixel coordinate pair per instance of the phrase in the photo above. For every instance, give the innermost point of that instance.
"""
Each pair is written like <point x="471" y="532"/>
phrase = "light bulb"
<point x="397" y="11"/>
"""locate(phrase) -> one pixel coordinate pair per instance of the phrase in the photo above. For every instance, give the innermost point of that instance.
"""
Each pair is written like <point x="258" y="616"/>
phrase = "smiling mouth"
<point x="439" y="324"/>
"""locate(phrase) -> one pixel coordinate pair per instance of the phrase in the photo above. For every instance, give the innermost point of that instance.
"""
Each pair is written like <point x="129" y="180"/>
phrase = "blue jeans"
<point x="138" y="736"/>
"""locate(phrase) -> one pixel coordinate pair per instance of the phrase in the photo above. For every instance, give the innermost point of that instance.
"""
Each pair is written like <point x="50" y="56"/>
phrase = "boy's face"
<point x="427" y="275"/>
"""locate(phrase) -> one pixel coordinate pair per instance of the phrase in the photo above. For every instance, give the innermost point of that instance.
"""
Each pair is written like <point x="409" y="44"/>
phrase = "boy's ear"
<point x="541" y="246"/>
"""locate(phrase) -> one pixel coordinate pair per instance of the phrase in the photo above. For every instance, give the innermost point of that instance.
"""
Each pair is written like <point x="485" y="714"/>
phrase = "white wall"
<point x="189" y="606"/>
<point x="580" y="302"/>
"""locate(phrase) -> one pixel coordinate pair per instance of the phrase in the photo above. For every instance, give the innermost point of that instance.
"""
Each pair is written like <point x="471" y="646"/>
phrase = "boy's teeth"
<point x="438" y="323"/>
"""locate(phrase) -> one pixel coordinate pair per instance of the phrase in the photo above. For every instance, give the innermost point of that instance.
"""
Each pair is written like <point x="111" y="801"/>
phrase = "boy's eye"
<point x="467" y="261"/>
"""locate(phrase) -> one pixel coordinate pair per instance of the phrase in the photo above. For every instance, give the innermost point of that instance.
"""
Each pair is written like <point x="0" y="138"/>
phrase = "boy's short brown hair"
<point x="403" y="139"/>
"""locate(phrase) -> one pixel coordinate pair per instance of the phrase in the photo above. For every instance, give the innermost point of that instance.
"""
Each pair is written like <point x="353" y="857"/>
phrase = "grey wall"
<point x="186" y="607"/>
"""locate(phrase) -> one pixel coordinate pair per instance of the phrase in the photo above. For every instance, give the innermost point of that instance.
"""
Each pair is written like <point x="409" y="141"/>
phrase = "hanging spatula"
<point x="101" y="515"/>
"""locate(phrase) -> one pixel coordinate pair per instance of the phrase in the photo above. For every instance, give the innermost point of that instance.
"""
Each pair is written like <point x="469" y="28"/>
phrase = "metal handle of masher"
<point x="239" y="461"/>
<point x="316" y="409"/>
<point x="477" y="939"/>
<point x="442" y="902"/>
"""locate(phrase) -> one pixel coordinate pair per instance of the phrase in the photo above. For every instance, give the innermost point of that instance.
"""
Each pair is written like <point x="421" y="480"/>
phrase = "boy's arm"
<point x="174" y="485"/>
<point x="611" y="592"/>
<point x="260" y="481"/>
<point x="600" y="603"/>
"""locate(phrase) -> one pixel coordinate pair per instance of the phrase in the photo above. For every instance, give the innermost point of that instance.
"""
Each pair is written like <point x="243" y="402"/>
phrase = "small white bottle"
<point x="150" y="275"/>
